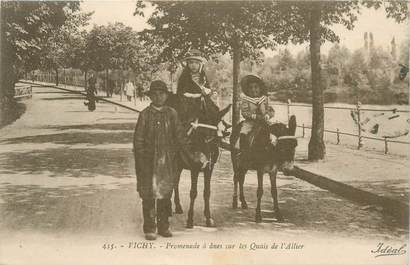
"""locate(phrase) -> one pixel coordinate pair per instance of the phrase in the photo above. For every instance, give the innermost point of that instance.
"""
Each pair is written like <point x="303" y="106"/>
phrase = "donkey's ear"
<point x="224" y="111"/>
<point x="292" y="125"/>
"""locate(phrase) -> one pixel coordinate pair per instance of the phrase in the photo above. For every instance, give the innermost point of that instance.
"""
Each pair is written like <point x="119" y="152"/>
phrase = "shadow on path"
<point x="72" y="138"/>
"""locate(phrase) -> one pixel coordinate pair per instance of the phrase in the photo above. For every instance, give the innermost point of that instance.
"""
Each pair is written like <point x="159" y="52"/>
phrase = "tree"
<point x="286" y="60"/>
<point x="219" y="71"/>
<point x="371" y="45"/>
<point x="312" y="21"/>
<point x="57" y="51"/>
<point x="404" y="51"/>
<point x="338" y="58"/>
<point x="237" y="28"/>
<point x="25" y="26"/>
<point x="241" y="28"/>
<point x="114" y="47"/>
<point x="393" y="51"/>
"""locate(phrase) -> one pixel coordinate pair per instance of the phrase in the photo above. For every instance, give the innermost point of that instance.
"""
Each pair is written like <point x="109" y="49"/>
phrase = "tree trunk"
<point x="316" y="150"/>
<point x="106" y="81"/>
<point x="171" y="79"/>
<point x="85" y="80"/>
<point x="64" y="78"/>
<point x="56" y="70"/>
<point x="236" y="89"/>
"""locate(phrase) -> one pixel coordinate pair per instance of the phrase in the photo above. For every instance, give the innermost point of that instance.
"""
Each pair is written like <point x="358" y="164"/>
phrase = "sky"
<point x="384" y="29"/>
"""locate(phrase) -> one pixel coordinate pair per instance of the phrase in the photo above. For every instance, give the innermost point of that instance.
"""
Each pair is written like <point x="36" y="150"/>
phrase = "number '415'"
<point x="108" y="246"/>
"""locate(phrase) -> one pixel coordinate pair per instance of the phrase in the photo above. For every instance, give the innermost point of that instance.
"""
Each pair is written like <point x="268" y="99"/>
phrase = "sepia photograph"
<point x="204" y="132"/>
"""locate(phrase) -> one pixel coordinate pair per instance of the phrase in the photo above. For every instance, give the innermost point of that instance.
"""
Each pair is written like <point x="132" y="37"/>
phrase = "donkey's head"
<point x="286" y="144"/>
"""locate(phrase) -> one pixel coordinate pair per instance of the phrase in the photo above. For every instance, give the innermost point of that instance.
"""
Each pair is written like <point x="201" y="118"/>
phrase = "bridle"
<point x="287" y="137"/>
<point x="196" y="124"/>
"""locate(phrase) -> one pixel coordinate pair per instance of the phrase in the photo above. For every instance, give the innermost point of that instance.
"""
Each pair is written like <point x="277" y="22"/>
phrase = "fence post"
<point x="338" y="136"/>
<point x="289" y="102"/>
<point x="360" y="140"/>
<point x="386" y="148"/>
<point x="303" y="130"/>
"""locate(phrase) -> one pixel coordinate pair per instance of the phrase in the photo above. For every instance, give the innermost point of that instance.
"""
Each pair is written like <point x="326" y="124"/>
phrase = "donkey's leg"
<point x="207" y="195"/>
<point x="242" y="174"/>
<point x="235" y="190"/>
<point x="274" y="192"/>
<point x="259" y="193"/>
<point x="193" y="194"/>
<point x="178" y="207"/>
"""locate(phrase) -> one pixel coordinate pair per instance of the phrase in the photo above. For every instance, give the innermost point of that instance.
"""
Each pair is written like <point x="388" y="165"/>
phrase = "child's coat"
<point x="158" y="138"/>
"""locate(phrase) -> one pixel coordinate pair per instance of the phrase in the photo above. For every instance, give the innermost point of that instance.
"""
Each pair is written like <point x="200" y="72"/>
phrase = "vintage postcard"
<point x="204" y="132"/>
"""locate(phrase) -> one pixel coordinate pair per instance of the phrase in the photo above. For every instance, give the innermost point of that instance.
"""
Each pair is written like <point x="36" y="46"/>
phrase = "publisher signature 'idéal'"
<point x="387" y="250"/>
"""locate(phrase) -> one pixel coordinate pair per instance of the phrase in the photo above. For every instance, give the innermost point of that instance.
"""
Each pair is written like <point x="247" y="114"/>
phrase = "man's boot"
<point x="164" y="210"/>
<point x="148" y="210"/>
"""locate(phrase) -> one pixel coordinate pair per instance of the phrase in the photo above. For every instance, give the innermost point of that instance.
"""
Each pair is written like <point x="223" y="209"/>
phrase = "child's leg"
<point x="244" y="135"/>
<point x="164" y="211"/>
<point x="148" y="210"/>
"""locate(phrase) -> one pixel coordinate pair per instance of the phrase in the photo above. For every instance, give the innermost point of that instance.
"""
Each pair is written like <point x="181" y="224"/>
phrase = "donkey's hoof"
<point x="190" y="224"/>
<point x="244" y="205"/>
<point x="210" y="222"/>
<point x="178" y="209"/>
<point x="258" y="218"/>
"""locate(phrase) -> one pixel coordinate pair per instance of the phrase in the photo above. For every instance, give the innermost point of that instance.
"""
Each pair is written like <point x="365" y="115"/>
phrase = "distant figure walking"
<point x="91" y="91"/>
<point x="110" y="87"/>
<point x="129" y="90"/>
<point x="140" y="93"/>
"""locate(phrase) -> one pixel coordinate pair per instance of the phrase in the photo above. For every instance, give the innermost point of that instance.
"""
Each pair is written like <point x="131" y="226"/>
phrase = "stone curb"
<point x="396" y="208"/>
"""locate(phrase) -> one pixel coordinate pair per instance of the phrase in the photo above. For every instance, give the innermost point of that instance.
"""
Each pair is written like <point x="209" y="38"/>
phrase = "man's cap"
<point x="157" y="85"/>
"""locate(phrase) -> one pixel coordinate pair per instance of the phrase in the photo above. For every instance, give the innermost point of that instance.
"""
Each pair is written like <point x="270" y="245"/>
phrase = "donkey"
<point x="264" y="157"/>
<point x="205" y="130"/>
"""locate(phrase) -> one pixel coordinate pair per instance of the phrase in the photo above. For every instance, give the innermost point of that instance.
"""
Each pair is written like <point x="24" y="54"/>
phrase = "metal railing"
<point x="25" y="91"/>
<point x="338" y="132"/>
<point x="358" y="109"/>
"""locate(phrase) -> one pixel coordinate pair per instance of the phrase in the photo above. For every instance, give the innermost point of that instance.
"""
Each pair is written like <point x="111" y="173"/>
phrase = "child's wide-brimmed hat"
<point x="157" y="85"/>
<point x="246" y="80"/>
<point x="194" y="55"/>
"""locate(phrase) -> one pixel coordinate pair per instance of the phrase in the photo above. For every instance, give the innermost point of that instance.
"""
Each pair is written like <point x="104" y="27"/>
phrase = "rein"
<point x="192" y="95"/>
<point x="196" y="124"/>
<point x="286" y="137"/>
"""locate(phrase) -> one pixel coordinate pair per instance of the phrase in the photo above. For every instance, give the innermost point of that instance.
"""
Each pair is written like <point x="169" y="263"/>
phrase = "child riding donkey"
<point x="202" y="121"/>
<point x="254" y="108"/>
<point x="265" y="146"/>
<point x="193" y="87"/>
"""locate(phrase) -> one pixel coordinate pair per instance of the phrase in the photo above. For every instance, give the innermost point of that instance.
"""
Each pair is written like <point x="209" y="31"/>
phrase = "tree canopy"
<point x="25" y="27"/>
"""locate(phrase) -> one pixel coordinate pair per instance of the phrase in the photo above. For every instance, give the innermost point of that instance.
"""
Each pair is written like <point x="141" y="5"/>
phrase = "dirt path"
<point x="67" y="187"/>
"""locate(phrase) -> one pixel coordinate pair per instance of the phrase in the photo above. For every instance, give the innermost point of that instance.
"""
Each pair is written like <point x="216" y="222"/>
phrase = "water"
<point x="398" y="124"/>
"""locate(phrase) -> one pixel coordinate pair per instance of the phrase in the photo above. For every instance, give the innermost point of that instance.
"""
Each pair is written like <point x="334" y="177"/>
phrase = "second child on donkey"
<point x="254" y="108"/>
